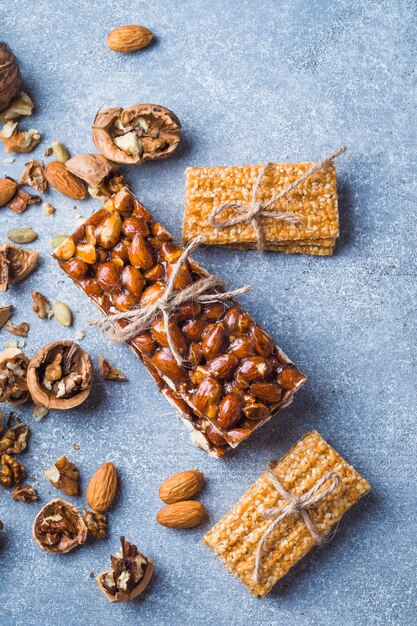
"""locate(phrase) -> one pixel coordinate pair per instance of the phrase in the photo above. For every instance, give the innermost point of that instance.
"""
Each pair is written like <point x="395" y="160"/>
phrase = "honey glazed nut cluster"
<point x="234" y="377"/>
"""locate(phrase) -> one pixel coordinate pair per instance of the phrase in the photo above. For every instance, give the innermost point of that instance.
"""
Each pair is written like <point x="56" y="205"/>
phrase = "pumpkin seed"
<point x="22" y="235"/>
<point x="62" y="313"/>
<point x="57" y="240"/>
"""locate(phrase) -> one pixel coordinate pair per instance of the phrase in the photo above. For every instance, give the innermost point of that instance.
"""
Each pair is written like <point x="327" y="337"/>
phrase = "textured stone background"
<point x="251" y="81"/>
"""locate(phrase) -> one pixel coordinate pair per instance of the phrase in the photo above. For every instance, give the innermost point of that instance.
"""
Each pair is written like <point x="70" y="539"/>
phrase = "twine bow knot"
<point x="254" y="211"/>
<point x="141" y="318"/>
<point x="296" y="505"/>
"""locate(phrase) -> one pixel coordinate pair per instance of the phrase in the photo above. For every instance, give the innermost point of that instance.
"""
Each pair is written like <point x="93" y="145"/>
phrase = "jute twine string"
<point x="296" y="505"/>
<point x="255" y="211"/>
<point x="141" y="318"/>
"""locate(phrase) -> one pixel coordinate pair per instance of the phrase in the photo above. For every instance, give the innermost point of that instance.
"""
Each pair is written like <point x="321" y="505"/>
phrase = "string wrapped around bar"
<point x="231" y="376"/>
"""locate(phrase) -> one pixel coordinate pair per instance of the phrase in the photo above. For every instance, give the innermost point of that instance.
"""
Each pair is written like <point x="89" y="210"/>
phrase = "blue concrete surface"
<point x="251" y="81"/>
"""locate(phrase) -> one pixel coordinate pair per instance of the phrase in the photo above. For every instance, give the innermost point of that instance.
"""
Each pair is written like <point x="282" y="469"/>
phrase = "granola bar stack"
<point x="314" y="203"/>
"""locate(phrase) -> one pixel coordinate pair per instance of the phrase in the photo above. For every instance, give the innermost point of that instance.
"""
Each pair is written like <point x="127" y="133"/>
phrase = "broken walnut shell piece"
<point x="15" y="264"/>
<point x="10" y="77"/>
<point x="34" y="176"/>
<point x="22" y="200"/>
<point x="129" y="575"/>
<point x="91" y="168"/>
<point x="108" y="371"/>
<point x="5" y="314"/>
<point x="137" y="133"/>
<point x="59" y="527"/>
<point x="60" y="375"/>
<point x="13" y="377"/>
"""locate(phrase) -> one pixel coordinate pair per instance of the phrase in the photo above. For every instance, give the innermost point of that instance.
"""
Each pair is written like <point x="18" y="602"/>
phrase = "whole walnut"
<point x="10" y="77"/>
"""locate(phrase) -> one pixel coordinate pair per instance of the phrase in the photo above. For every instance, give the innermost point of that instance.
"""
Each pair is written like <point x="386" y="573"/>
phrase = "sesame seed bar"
<point x="314" y="202"/>
<point x="235" y="537"/>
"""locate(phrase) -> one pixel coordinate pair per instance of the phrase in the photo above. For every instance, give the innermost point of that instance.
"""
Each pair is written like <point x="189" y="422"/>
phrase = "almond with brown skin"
<point x="182" y="486"/>
<point x="230" y="411"/>
<point x="129" y="38"/>
<point x="59" y="177"/>
<point x="102" y="488"/>
<point x="185" y="514"/>
<point x="8" y="188"/>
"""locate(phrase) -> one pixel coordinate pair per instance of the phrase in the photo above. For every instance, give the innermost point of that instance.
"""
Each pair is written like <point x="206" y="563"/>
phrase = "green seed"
<point x="22" y="235"/>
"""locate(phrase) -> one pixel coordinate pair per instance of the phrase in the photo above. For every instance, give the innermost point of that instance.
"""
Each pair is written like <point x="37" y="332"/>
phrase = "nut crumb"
<point x="40" y="412"/>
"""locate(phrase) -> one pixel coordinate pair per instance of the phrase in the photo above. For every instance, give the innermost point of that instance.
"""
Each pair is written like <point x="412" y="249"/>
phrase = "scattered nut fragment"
<point x="184" y="514"/>
<point x="137" y="133"/>
<point x="15" y="264"/>
<point x="59" y="151"/>
<point x="40" y="412"/>
<point x="21" y="330"/>
<point x="41" y="305"/>
<point x="75" y="368"/>
<point x="5" y="314"/>
<point x="16" y="140"/>
<point x="64" y="475"/>
<point x="62" y="313"/>
<point x="20" y="106"/>
<point x="182" y="486"/>
<point x="24" y="493"/>
<point x="59" y="527"/>
<point x="8" y="188"/>
<point x="48" y="209"/>
<point x="57" y="240"/>
<point x="22" y="235"/>
<point x="14" y="439"/>
<point x="96" y="523"/>
<point x="79" y="335"/>
<point x="59" y="177"/>
<point x="12" y="472"/>
<point x="22" y="200"/>
<point x="34" y="176"/>
<point x="102" y="488"/>
<point x="128" y="576"/>
<point x="10" y="77"/>
<point x="108" y="371"/>
<point x="13" y="377"/>
<point x="129" y="38"/>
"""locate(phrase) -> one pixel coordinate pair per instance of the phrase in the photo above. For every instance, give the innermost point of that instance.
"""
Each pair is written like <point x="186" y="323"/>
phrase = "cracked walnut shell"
<point x="59" y="527"/>
<point x="10" y="77"/>
<point x="15" y="264"/>
<point x="135" y="134"/>
<point x="129" y="575"/>
<point x="60" y="375"/>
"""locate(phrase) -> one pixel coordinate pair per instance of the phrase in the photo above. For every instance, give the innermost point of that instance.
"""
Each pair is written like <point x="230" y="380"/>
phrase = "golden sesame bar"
<point x="235" y="538"/>
<point x="314" y="202"/>
<point x="233" y="376"/>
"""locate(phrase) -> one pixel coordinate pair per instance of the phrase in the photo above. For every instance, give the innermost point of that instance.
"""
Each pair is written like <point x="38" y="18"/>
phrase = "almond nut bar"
<point x="314" y="203"/>
<point x="234" y="377"/>
<point x="236" y="537"/>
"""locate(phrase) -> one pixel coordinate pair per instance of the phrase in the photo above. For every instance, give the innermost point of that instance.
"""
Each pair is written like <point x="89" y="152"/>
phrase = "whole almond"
<point x="102" y="488"/>
<point x="8" y="188"/>
<point x="59" y="177"/>
<point x="129" y="38"/>
<point x="186" y="514"/>
<point x="182" y="486"/>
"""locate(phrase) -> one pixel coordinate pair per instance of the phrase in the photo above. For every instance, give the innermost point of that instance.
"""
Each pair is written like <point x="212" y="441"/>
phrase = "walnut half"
<point x="135" y="134"/>
<point x="60" y="375"/>
<point x="59" y="527"/>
